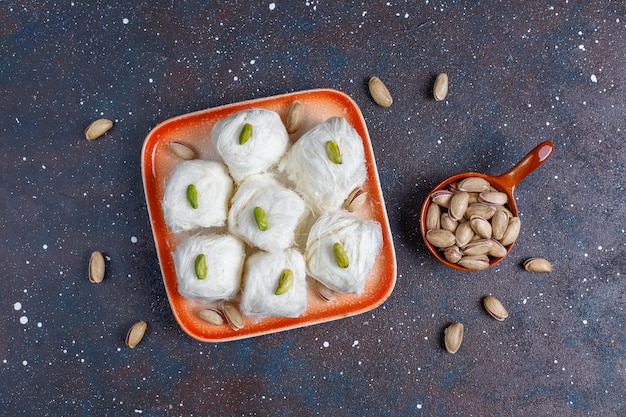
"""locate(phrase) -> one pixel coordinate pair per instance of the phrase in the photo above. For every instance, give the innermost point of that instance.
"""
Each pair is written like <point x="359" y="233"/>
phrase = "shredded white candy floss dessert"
<point x="213" y="188"/>
<point x="361" y="239"/>
<point x="262" y="279"/>
<point x="322" y="181"/>
<point x="222" y="267"/>
<point x="265" y="141"/>
<point x="284" y="210"/>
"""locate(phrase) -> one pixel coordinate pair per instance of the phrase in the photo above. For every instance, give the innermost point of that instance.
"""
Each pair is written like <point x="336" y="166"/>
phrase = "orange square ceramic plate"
<point x="194" y="129"/>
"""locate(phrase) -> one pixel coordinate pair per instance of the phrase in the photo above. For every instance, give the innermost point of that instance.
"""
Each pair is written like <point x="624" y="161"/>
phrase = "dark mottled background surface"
<point x="520" y="73"/>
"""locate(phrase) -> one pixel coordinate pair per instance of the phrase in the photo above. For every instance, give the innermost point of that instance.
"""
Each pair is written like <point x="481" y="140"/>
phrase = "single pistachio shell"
<point x="453" y="254"/>
<point x="497" y="250"/>
<point x="447" y="223"/>
<point x="200" y="266"/>
<point x="463" y="234"/>
<point x="481" y="227"/>
<point x="537" y="265"/>
<point x="284" y="282"/>
<point x="473" y="198"/>
<point x="458" y="205"/>
<point x="379" y="92"/>
<point x="483" y="210"/>
<point x="260" y="217"/>
<point x="442" y="197"/>
<point x="355" y="200"/>
<point x="433" y="217"/>
<point x="494" y="197"/>
<point x="495" y="308"/>
<point x="136" y="333"/>
<point x="477" y="247"/>
<point x="324" y="292"/>
<point x="96" y="267"/>
<point x="512" y="231"/>
<point x="473" y="184"/>
<point x="499" y="223"/>
<point x="440" y="238"/>
<point x="332" y="151"/>
<point x="474" y="262"/>
<point x="440" y="88"/>
<point x="341" y="257"/>
<point x="295" y="117"/>
<point x="182" y="151"/>
<point x="211" y="316"/>
<point x="233" y="316"/>
<point x="98" y="128"/>
<point x="245" y="134"/>
<point x="192" y="196"/>
<point x="453" y="337"/>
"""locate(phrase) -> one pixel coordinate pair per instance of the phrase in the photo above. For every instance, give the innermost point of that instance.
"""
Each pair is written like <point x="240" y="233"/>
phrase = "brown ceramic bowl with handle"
<point x="505" y="183"/>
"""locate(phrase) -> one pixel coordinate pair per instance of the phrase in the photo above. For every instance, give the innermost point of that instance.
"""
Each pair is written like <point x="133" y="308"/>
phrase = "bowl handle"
<point x="533" y="160"/>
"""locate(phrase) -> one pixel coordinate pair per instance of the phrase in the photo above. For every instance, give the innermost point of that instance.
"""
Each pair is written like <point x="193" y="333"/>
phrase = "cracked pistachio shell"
<point x="433" y="217"/>
<point x="481" y="227"/>
<point x="493" y="197"/>
<point x="474" y="262"/>
<point x="355" y="200"/>
<point x="495" y="308"/>
<point x="497" y="250"/>
<point x="447" y="223"/>
<point x="458" y="205"/>
<point x="136" y="333"/>
<point x="453" y="337"/>
<point x="324" y="292"/>
<point x="499" y="223"/>
<point x="211" y="316"/>
<point x="380" y="92"/>
<point x="442" y="197"/>
<point x="512" y="231"/>
<point x="295" y="117"/>
<point x="440" y="238"/>
<point x="182" y="151"/>
<point x="486" y="211"/>
<point x="473" y="184"/>
<point x="233" y="315"/>
<point x="537" y="265"/>
<point x="453" y="254"/>
<point x="463" y="234"/>
<point x="477" y="247"/>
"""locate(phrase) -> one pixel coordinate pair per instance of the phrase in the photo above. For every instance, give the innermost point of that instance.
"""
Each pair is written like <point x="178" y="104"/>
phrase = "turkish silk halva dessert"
<point x="270" y="219"/>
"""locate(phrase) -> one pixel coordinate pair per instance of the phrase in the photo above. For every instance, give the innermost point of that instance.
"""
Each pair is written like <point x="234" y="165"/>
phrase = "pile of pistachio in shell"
<point x="470" y="222"/>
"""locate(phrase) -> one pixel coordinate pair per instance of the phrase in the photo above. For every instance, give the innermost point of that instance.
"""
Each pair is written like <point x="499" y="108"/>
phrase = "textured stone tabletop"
<point x="520" y="74"/>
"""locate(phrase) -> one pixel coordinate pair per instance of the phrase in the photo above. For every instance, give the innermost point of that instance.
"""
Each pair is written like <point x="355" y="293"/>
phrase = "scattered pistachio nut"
<point x="211" y="316"/>
<point x="440" y="88"/>
<point x="332" y="151"/>
<point x="474" y="262"/>
<point x="233" y="315"/>
<point x="537" y="265"/>
<point x="200" y="266"/>
<point x="284" y="282"/>
<point x="341" y="257"/>
<point x="260" y="217"/>
<point x="453" y="337"/>
<point x="182" y="151"/>
<point x="355" y="200"/>
<point x="245" y="134"/>
<point x="136" y="333"/>
<point x="495" y="308"/>
<point x="380" y="92"/>
<point x="324" y="292"/>
<point x="98" y="128"/>
<point x="96" y="267"/>
<point x="192" y="196"/>
<point x="295" y="117"/>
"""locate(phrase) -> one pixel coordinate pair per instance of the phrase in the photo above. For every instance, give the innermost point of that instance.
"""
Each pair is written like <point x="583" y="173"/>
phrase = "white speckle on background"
<point x="272" y="6"/>
<point x="584" y="321"/>
<point x="356" y="342"/>
<point x="581" y="47"/>
<point x="39" y="324"/>
<point x="17" y="306"/>
<point x="45" y="246"/>
<point x="125" y="21"/>
<point x="325" y="344"/>
<point x="594" y="79"/>
<point x="419" y="406"/>
<point x="133" y="239"/>
<point x="23" y="319"/>
<point x="24" y="363"/>
<point x="150" y="80"/>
